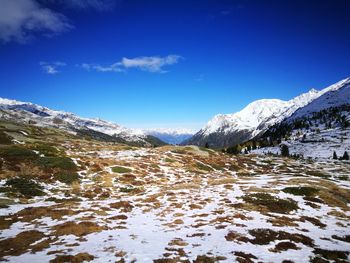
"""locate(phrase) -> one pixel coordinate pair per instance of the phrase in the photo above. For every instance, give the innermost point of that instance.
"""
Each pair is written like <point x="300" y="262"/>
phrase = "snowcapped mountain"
<point x="27" y="112"/>
<point x="318" y="130"/>
<point x="335" y="95"/>
<point x="171" y="136"/>
<point x="230" y="129"/>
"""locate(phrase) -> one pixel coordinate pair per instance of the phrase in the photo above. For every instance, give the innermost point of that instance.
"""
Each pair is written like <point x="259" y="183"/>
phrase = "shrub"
<point x="179" y="151"/>
<point x="4" y="138"/>
<point x="25" y="186"/>
<point x="333" y="255"/>
<point x="233" y="149"/>
<point x="5" y="203"/>
<point x="120" y="169"/>
<point x="63" y="163"/>
<point x="274" y="204"/>
<point x="301" y="190"/>
<point x="345" y="238"/>
<point x="204" y="167"/>
<point x="318" y="174"/>
<point x="130" y="189"/>
<point x="45" y="149"/>
<point x="67" y="177"/>
<point x="17" y="153"/>
<point x="264" y="236"/>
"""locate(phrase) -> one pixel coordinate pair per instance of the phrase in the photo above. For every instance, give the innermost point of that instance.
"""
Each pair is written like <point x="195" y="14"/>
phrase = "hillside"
<point x="226" y="130"/>
<point x="317" y="130"/>
<point x="66" y="198"/>
<point x="40" y="116"/>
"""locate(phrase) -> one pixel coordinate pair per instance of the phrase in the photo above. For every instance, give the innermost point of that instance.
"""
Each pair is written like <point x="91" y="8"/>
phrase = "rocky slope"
<point x="317" y="130"/>
<point x="229" y="129"/>
<point x="40" y="116"/>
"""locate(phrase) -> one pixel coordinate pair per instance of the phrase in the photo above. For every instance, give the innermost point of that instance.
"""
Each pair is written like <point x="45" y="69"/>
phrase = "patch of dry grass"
<point x="19" y="244"/>
<point x="77" y="229"/>
<point x="78" y="258"/>
<point x="222" y="181"/>
<point x="124" y="206"/>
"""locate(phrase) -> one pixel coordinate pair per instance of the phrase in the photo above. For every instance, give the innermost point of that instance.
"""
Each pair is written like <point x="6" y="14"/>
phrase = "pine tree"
<point x="206" y="145"/>
<point x="254" y="145"/>
<point x="234" y="149"/>
<point x="345" y="156"/>
<point x="284" y="150"/>
<point x="249" y="148"/>
<point x="335" y="157"/>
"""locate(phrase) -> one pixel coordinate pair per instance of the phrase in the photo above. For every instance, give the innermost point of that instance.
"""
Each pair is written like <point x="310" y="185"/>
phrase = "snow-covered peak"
<point x="260" y="114"/>
<point x="171" y="135"/>
<point x="258" y="111"/>
<point x="332" y="96"/>
<point x="248" y="118"/>
<point x="47" y="118"/>
<point x="336" y="86"/>
<point x="170" y="131"/>
<point x="305" y="98"/>
<point x="4" y="101"/>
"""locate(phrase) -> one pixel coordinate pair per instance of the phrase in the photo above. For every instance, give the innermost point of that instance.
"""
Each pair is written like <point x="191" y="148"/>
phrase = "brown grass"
<point x="30" y="213"/>
<point x="283" y="221"/>
<point x="222" y="181"/>
<point x="19" y="244"/>
<point x="182" y="186"/>
<point x="5" y="222"/>
<point x="283" y="246"/>
<point x="76" y="188"/>
<point x="124" y="206"/>
<point x="77" y="229"/>
<point x="178" y="242"/>
<point x="78" y="258"/>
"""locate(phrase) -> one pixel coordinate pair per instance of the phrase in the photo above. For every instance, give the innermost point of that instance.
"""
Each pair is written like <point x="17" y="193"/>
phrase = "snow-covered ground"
<point x="184" y="203"/>
<point x="318" y="145"/>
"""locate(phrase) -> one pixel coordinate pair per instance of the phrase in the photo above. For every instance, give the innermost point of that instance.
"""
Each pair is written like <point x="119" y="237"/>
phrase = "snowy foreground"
<point x="183" y="204"/>
<point x="318" y="145"/>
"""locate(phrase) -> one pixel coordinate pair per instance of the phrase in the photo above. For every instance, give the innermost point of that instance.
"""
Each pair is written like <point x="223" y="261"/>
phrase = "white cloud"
<point x="51" y="68"/>
<point x="150" y="64"/>
<point x="111" y="68"/>
<point x="21" y="19"/>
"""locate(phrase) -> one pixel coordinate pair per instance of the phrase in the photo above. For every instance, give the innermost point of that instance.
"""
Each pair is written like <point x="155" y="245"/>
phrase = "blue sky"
<point x="152" y="63"/>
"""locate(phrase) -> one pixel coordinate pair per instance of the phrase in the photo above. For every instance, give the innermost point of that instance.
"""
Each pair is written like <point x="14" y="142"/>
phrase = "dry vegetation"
<point x="75" y="200"/>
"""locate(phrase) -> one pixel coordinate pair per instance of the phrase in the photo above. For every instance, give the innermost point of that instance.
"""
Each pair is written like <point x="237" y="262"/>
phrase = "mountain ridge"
<point x="44" y="117"/>
<point x="225" y="130"/>
<point x="170" y="135"/>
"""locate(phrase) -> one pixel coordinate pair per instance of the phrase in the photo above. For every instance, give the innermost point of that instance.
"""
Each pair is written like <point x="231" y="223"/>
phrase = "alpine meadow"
<point x="194" y="131"/>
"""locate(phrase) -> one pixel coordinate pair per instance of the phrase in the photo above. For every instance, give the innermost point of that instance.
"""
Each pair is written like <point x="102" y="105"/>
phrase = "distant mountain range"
<point x="27" y="112"/>
<point x="254" y="120"/>
<point x="171" y="136"/>
<point x="267" y="121"/>
<point x="99" y="129"/>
